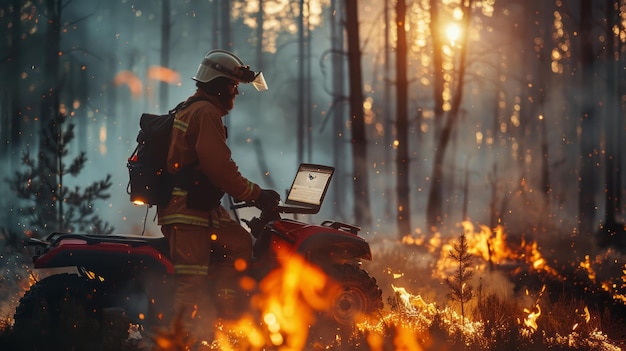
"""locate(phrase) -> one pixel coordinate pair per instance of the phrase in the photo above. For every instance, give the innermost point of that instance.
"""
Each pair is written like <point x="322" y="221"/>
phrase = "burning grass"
<point x="545" y="294"/>
<point x="524" y="300"/>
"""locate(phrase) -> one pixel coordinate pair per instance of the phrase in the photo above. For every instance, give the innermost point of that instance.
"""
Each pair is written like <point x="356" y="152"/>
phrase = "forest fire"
<point x="509" y="112"/>
<point x="288" y="303"/>
<point x="291" y="300"/>
<point x="575" y="297"/>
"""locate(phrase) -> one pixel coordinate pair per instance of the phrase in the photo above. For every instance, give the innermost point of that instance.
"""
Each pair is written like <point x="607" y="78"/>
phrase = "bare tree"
<point x="260" y="18"/>
<point x="434" y="211"/>
<point x="438" y="80"/>
<point x="388" y="120"/>
<point x="587" y="184"/>
<point x="226" y="40"/>
<point x="339" y="106"/>
<point x="10" y="125"/>
<point x="51" y="82"/>
<point x="304" y="82"/>
<point x="362" y="212"/>
<point x="402" y="153"/>
<point x="612" y="232"/>
<point x="166" y="29"/>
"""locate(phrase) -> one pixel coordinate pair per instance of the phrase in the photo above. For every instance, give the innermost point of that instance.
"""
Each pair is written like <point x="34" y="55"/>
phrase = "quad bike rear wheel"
<point x="64" y="312"/>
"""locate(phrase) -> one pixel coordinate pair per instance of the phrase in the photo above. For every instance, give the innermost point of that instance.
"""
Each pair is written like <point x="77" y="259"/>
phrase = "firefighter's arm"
<point x="215" y="161"/>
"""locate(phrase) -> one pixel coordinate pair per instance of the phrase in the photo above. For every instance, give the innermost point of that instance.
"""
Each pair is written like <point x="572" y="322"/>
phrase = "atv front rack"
<point x="342" y="226"/>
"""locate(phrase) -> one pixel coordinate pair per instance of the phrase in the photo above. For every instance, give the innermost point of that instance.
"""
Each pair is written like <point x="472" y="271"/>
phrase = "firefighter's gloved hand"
<point x="268" y="200"/>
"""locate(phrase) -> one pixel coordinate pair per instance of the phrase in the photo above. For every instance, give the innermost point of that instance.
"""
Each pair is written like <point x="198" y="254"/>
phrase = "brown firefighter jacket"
<point x="199" y="137"/>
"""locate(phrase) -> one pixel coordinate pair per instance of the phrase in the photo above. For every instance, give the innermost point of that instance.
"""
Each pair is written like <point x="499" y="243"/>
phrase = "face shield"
<point x="259" y="82"/>
<point x="246" y="75"/>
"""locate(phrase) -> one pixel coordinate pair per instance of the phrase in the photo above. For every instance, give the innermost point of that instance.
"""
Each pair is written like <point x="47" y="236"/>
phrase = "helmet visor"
<point x="259" y="82"/>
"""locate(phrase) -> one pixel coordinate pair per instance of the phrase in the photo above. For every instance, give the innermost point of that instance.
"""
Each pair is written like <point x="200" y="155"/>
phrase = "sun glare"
<point x="453" y="33"/>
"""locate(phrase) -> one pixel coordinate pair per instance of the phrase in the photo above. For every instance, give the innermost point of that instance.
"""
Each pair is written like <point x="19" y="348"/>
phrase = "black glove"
<point x="268" y="200"/>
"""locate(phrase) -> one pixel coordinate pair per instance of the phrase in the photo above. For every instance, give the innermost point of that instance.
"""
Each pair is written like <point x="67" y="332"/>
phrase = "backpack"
<point x="149" y="181"/>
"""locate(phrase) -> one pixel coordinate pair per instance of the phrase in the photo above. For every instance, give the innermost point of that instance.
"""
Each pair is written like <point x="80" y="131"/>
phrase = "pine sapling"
<point x="460" y="289"/>
<point x="50" y="204"/>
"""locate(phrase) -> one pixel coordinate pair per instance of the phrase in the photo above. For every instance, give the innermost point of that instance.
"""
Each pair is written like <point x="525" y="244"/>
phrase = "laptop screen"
<point x="309" y="187"/>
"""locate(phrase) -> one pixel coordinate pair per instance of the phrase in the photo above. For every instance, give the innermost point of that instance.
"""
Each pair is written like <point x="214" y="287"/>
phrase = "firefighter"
<point x="194" y="221"/>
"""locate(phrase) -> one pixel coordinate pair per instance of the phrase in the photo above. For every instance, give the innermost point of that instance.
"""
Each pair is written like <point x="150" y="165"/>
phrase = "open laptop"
<point x="308" y="189"/>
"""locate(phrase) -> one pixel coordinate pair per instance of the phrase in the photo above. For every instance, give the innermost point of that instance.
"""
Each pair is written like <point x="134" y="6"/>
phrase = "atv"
<point x="110" y="288"/>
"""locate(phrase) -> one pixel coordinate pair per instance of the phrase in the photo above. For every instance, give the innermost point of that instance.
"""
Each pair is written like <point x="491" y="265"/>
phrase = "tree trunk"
<point x="15" y="124"/>
<point x="438" y="72"/>
<point x="50" y="104"/>
<point x="388" y="125"/>
<point x="434" y="213"/>
<point x="402" y="152"/>
<point x="304" y="119"/>
<point x="538" y="67"/>
<point x="259" y="37"/>
<point x="51" y="82"/>
<point x="226" y="39"/>
<point x="224" y="36"/>
<point x="166" y="28"/>
<point x="359" y="143"/>
<point x="612" y="233"/>
<point x="587" y="184"/>
<point x="337" y="41"/>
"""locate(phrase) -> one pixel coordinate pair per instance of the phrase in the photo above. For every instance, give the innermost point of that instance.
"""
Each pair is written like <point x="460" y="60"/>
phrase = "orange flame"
<point x="586" y="265"/>
<point x="492" y="243"/>
<point x="414" y="303"/>
<point x="534" y="257"/>
<point x="131" y="80"/>
<point x="531" y="319"/>
<point x="287" y="300"/>
<point x="164" y="74"/>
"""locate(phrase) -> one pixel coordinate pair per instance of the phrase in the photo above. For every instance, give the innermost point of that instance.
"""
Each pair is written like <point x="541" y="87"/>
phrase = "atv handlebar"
<point x="256" y="224"/>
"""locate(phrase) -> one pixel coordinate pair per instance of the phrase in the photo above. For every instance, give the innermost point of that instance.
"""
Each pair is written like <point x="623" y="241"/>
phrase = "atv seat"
<point x="159" y="243"/>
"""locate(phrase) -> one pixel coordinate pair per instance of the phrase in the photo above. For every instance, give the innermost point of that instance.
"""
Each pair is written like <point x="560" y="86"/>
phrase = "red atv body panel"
<point x="335" y="240"/>
<point x="105" y="253"/>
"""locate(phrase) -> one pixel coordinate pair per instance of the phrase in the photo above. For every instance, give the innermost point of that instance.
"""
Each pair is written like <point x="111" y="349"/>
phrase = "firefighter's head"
<point x="220" y="73"/>
<point x="222" y="63"/>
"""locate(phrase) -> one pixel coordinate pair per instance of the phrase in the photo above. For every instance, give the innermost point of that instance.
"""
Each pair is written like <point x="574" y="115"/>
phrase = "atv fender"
<point x="336" y="246"/>
<point x="103" y="253"/>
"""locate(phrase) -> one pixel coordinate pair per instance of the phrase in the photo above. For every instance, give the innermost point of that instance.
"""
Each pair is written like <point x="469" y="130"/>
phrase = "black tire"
<point x="64" y="312"/>
<point x="358" y="296"/>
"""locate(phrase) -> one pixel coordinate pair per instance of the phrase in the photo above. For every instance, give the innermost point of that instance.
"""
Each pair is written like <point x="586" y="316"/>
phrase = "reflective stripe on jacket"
<point x="191" y="269"/>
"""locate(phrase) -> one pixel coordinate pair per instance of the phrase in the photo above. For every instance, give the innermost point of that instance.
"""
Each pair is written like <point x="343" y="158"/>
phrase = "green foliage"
<point x="50" y="204"/>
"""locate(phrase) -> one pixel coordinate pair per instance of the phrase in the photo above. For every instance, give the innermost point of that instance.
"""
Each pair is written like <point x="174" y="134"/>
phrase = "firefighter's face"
<point x="229" y="93"/>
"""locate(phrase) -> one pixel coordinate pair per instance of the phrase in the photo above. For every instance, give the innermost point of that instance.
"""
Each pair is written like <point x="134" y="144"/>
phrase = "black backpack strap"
<point x="182" y="105"/>
<point x="183" y="175"/>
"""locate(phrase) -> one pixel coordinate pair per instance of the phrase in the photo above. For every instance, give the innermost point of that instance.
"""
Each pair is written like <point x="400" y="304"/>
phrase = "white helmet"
<point x="222" y="63"/>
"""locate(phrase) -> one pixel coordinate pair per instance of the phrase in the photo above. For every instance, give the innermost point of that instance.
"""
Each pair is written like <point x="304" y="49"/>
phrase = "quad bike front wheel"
<point x="64" y="312"/>
<point x="357" y="296"/>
